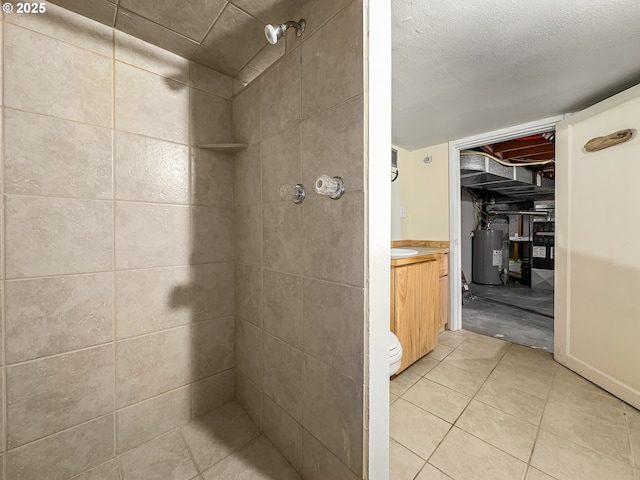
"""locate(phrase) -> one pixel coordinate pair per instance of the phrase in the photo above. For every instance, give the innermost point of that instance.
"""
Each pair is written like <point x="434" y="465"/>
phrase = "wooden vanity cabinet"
<point x="415" y="308"/>
<point x="444" y="292"/>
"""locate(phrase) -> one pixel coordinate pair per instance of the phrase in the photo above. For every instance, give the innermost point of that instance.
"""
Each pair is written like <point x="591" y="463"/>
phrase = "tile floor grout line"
<point x="539" y="429"/>
<point x="453" y="425"/>
<point x="629" y="443"/>
<point x="553" y="378"/>
<point x="193" y="460"/>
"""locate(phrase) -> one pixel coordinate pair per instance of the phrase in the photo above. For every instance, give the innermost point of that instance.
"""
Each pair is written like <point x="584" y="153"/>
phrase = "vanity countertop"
<point x="424" y="254"/>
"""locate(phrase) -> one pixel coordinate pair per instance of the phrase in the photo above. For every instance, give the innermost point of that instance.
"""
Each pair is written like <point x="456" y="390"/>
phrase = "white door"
<point x="597" y="309"/>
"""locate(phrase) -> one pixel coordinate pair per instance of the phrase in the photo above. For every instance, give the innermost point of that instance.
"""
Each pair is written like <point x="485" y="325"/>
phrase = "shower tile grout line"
<point x="3" y="370"/>
<point x="113" y="233"/>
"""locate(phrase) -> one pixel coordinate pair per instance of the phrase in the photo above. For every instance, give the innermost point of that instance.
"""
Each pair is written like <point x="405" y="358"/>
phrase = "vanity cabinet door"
<point x="429" y="324"/>
<point x="407" y="300"/>
<point x="415" y="310"/>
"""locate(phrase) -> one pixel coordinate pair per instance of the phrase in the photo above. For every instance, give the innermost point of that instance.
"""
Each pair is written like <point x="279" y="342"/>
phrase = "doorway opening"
<point x="502" y="195"/>
<point x="507" y="225"/>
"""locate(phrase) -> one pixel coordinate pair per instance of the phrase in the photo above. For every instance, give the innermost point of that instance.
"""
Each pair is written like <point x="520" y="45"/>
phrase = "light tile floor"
<point x="223" y="445"/>
<point x="479" y="408"/>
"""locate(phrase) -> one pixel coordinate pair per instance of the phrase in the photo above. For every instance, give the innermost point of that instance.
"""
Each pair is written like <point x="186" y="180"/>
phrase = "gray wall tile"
<point x="282" y="306"/>
<point x="249" y="358"/>
<point x="318" y="12"/>
<point x="54" y="315"/>
<point x="280" y="98"/>
<point x="248" y="304"/>
<point x="153" y="364"/>
<point x="212" y="392"/>
<point x="60" y="392"/>
<point x="333" y="326"/>
<point x="246" y="114"/>
<point x="140" y="27"/>
<point x="236" y="35"/>
<point x="141" y="54"/>
<point x="182" y="354"/>
<point x="211" y="178"/>
<point x="210" y="118"/>
<point x="248" y="234"/>
<point x="151" y="105"/>
<point x="281" y="164"/>
<point x="270" y="11"/>
<point x="284" y="432"/>
<point x="151" y="300"/>
<point x="144" y="421"/>
<point x="82" y="447"/>
<point x="212" y="235"/>
<point x="283" y="237"/>
<point x="151" y="235"/>
<point x="150" y="170"/>
<point x="247" y="176"/>
<point x="50" y="156"/>
<point x="212" y="347"/>
<point x="215" y="59"/>
<point x="334" y="239"/>
<point x="343" y="155"/>
<point x="212" y="291"/>
<point x="320" y="463"/>
<point x="266" y="57"/>
<point x="332" y="62"/>
<point x="283" y="374"/>
<point x="3" y="443"/>
<point x="329" y="400"/>
<point x="193" y="19"/>
<point x="207" y="79"/>
<point x="66" y="25"/>
<point x="53" y="236"/>
<point x="77" y="85"/>
<point x="250" y="397"/>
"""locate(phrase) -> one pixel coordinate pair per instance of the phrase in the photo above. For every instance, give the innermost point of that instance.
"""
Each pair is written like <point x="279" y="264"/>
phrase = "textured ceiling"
<point x="464" y="67"/>
<point x="227" y="36"/>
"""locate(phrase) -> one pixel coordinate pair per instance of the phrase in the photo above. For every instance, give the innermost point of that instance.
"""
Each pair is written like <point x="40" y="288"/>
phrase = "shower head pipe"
<point x="274" y="33"/>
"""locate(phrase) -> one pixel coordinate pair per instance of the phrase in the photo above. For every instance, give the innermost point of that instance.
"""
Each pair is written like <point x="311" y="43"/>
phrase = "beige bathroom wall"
<point x="424" y="192"/>
<point x="396" y="195"/>
<point x="300" y="268"/>
<point x="118" y="248"/>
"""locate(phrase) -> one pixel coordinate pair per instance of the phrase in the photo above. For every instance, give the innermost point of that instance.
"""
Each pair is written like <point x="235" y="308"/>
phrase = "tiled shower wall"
<point x="300" y="268"/>
<point x="117" y="244"/>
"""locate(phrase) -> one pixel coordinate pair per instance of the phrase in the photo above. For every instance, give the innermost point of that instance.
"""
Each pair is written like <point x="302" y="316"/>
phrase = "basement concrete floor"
<point x="514" y="313"/>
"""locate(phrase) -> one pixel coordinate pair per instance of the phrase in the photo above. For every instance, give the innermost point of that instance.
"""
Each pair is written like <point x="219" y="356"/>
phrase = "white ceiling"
<point x="464" y="67"/>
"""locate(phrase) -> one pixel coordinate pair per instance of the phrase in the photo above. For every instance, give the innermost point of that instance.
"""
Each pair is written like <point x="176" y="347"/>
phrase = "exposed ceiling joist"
<point x="530" y="151"/>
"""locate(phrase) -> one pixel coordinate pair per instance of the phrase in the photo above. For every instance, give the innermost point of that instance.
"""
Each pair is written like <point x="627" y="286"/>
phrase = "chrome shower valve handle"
<point x="297" y="193"/>
<point x="333" y="187"/>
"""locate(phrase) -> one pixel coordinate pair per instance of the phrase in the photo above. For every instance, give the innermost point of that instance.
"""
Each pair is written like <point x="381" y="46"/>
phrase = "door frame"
<point x="455" y="147"/>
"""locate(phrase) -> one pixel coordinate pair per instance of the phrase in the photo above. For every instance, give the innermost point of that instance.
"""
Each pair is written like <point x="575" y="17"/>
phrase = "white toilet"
<point x="395" y="354"/>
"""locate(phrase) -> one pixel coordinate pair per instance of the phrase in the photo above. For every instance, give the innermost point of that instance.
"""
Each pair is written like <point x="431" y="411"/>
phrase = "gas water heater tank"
<point x="487" y="257"/>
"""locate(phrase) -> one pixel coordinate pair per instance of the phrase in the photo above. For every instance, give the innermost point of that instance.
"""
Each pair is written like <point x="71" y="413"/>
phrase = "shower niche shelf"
<point x="224" y="147"/>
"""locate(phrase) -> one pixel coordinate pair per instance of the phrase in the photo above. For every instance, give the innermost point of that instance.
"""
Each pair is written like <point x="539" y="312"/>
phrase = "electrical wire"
<point x="507" y="164"/>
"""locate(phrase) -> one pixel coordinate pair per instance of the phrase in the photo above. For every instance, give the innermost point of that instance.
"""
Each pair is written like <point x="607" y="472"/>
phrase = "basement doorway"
<point x="507" y="226"/>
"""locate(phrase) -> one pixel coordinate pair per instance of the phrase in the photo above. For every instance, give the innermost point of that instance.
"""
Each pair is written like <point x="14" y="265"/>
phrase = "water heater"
<point x="487" y="257"/>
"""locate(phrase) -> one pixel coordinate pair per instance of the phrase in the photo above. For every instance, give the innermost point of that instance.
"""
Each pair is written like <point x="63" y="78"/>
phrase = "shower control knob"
<point x="333" y="187"/>
<point x="297" y="193"/>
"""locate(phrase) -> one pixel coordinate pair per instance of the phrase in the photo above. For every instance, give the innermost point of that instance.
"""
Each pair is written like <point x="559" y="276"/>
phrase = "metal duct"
<point x="481" y="172"/>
